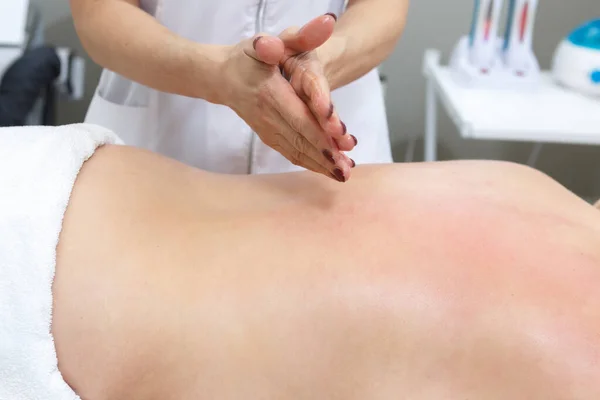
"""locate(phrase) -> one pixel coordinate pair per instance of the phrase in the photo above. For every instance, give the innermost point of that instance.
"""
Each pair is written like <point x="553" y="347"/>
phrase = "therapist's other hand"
<point x="302" y="67"/>
<point x="255" y="89"/>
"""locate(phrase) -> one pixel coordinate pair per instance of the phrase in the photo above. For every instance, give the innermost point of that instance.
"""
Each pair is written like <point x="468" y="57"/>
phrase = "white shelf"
<point x="549" y="114"/>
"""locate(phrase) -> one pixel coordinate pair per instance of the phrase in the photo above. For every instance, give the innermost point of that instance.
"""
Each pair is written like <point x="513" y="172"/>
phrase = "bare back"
<point x="425" y="280"/>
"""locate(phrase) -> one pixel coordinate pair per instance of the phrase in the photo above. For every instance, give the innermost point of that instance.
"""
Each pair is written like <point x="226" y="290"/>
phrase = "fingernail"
<point x="330" y="111"/>
<point x="355" y="139"/>
<point x="344" y="129"/>
<point x="329" y="156"/>
<point x="333" y="15"/>
<point x="339" y="175"/>
<point x="255" y="40"/>
<point x="353" y="163"/>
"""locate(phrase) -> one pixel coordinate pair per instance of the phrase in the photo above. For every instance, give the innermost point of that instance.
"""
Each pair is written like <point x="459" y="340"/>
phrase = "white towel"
<point x="38" y="167"/>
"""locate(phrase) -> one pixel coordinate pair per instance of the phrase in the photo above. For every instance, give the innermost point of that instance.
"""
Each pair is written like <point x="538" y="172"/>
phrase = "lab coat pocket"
<point x="130" y="123"/>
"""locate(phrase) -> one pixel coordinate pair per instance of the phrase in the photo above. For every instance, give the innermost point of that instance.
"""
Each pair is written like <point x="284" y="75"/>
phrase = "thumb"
<point x="264" y="48"/>
<point x="310" y="36"/>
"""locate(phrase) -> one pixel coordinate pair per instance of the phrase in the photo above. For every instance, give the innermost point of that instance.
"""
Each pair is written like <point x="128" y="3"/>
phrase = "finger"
<point x="315" y="86"/>
<point x="290" y="150"/>
<point x="351" y="163"/>
<point x="347" y="142"/>
<point x="302" y="150"/>
<point x="311" y="85"/>
<point x="309" y="81"/>
<point x="291" y="154"/>
<point x="310" y="36"/>
<point x="296" y="114"/>
<point x="264" y="48"/>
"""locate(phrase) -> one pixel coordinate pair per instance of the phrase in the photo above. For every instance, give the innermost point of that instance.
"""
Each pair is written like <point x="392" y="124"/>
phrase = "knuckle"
<point x="300" y="144"/>
<point x="296" y="123"/>
<point x="272" y="143"/>
<point x="313" y="79"/>
<point x="296" y="157"/>
<point x="278" y="138"/>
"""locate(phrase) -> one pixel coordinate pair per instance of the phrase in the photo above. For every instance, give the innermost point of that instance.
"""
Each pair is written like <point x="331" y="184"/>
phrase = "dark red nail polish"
<point x="330" y="111"/>
<point x="339" y="175"/>
<point x="355" y="139"/>
<point x="344" y="129"/>
<point x="353" y="163"/>
<point x="333" y="15"/>
<point x="329" y="156"/>
<point x="255" y="40"/>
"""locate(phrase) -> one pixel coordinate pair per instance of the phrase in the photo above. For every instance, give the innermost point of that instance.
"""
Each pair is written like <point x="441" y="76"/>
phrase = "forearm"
<point x="364" y="37"/>
<point x="121" y="37"/>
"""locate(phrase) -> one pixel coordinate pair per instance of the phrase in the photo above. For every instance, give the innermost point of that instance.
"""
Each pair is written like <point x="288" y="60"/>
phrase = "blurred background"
<point x="431" y="24"/>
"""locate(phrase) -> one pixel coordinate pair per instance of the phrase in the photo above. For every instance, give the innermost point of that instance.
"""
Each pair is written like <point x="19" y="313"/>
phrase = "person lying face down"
<point x="448" y="280"/>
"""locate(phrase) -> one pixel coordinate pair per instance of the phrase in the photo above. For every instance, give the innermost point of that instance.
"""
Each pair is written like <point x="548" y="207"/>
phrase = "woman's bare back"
<point x="424" y="281"/>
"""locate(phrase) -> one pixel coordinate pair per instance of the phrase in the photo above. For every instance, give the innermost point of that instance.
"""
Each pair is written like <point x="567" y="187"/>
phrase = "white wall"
<point x="53" y="10"/>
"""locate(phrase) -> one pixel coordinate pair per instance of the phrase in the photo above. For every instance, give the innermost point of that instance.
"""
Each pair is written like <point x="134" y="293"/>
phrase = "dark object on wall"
<point x="32" y="75"/>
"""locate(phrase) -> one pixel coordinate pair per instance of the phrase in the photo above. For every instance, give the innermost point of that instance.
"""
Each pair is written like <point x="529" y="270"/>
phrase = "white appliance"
<point x="576" y="63"/>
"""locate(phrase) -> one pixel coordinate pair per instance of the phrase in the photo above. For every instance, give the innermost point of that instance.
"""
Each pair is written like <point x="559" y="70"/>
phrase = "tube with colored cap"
<point x="519" y="35"/>
<point x="484" y="30"/>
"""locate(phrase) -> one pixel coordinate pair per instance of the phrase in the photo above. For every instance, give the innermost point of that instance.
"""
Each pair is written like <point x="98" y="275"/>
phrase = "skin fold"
<point x="457" y="280"/>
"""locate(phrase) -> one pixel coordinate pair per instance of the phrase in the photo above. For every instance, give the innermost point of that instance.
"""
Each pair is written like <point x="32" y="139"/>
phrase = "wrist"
<point x="331" y="57"/>
<point x="207" y="74"/>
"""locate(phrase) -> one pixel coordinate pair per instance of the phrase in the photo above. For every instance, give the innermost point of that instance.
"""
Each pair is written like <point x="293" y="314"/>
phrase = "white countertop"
<point x="549" y="113"/>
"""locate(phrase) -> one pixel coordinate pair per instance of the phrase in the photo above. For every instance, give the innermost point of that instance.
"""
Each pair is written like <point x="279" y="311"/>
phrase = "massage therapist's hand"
<point x="305" y="72"/>
<point x="253" y="86"/>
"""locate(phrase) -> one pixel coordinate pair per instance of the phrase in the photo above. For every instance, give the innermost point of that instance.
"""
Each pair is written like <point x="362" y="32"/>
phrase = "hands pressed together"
<point x="278" y="86"/>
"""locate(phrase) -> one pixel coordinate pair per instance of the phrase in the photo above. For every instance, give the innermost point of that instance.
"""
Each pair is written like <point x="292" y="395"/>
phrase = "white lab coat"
<point x="213" y="137"/>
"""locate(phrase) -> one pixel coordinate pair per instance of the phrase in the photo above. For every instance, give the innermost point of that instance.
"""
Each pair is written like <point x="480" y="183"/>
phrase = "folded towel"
<point x="38" y="167"/>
